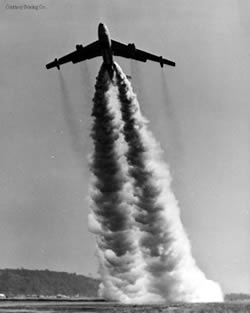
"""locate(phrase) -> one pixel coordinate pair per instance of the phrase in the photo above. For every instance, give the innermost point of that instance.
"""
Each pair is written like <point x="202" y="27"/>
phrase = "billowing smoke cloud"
<point x="144" y="252"/>
<point x="164" y="243"/>
<point x="112" y="202"/>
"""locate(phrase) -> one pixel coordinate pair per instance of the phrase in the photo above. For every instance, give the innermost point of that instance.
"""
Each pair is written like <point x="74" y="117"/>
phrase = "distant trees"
<point x="237" y="297"/>
<point x="15" y="282"/>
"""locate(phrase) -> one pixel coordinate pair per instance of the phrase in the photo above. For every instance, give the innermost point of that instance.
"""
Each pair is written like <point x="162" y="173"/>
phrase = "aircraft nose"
<point x="102" y="30"/>
<point x="101" y="27"/>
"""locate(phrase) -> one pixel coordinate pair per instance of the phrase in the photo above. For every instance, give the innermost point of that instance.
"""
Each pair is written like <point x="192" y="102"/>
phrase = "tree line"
<point x="16" y="282"/>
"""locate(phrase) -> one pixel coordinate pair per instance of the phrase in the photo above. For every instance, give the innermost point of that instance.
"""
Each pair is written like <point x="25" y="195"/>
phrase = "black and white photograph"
<point x="125" y="156"/>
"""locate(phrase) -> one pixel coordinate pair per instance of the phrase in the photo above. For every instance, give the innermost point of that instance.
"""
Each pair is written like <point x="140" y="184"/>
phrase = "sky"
<point x="198" y="111"/>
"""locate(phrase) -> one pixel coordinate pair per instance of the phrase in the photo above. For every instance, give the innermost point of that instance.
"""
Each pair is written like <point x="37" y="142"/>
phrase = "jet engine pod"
<point x="132" y="48"/>
<point x="79" y="47"/>
<point x="161" y="61"/>
<point x="57" y="64"/>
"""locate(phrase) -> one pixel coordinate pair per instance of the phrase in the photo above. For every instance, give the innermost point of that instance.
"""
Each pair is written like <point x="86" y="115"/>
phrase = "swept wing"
<point x="131" y="52"/>
<point x="80" y="54"/>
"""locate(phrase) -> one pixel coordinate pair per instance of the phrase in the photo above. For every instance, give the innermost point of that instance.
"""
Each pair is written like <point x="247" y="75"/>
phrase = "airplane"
<point x="106" y="47"/>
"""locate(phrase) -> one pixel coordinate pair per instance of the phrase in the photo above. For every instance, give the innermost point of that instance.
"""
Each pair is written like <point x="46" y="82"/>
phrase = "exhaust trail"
<point x="74" y="127"/>
<point x="172" y="271"/>
<point x="122" y="267"/>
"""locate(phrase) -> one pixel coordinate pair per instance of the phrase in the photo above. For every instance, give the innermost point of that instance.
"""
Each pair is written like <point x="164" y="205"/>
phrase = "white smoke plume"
<point x="143" y="250"/>
<point x="164" y="243"/>
<point x="122" y="268"/>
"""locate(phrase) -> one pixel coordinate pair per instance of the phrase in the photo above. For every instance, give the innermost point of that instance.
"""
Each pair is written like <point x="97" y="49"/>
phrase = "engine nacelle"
<point x="79" y="47"/>
<point x="132" y="48"/>
<point x="57" y="64"/>
<point x="161" y="61"/>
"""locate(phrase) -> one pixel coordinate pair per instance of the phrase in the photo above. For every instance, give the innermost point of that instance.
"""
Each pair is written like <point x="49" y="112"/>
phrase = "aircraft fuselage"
<point x="105" y="42"/>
